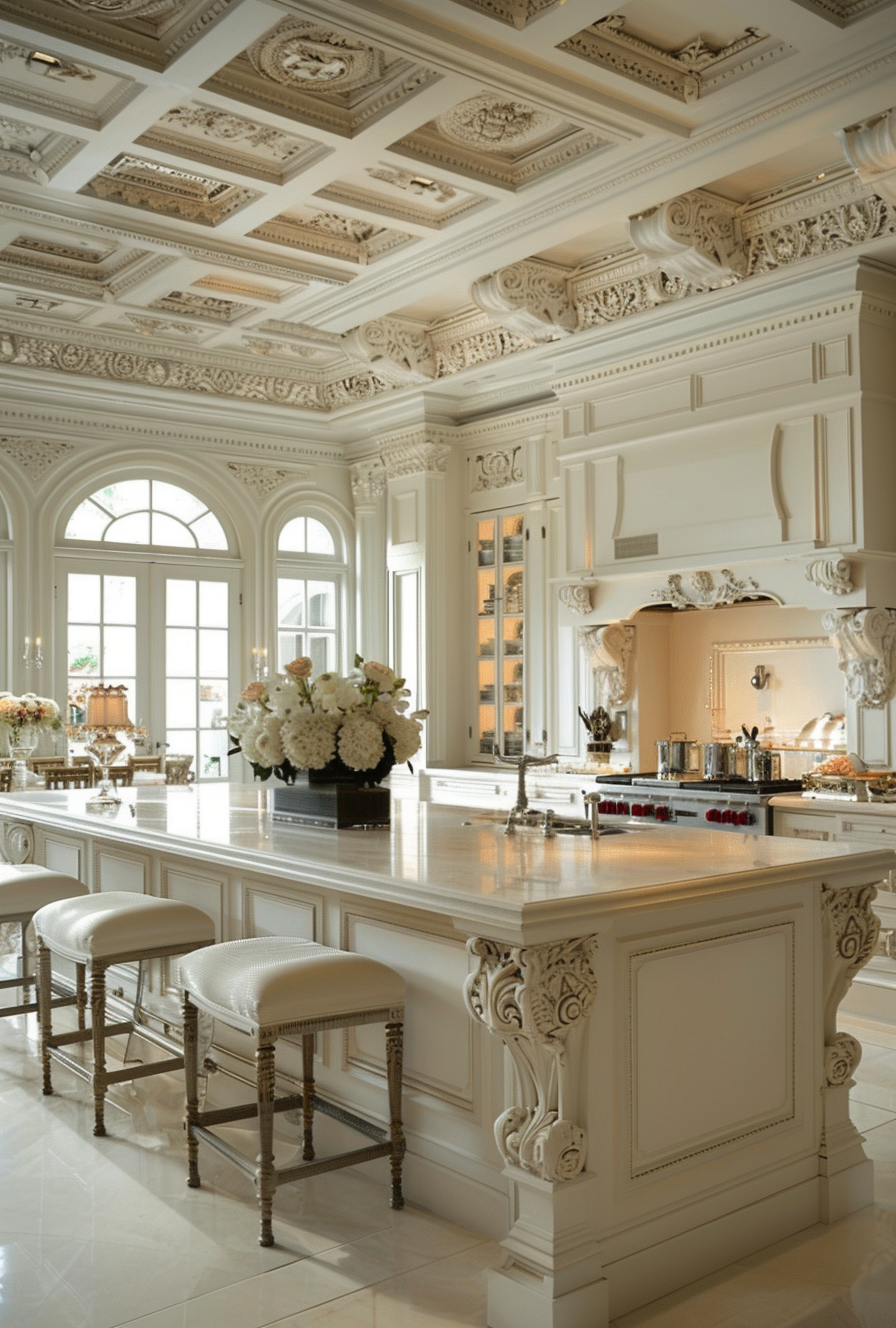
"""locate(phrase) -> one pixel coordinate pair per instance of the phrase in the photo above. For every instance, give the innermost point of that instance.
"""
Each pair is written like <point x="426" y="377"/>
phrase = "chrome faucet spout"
<point x="519" y="813"/>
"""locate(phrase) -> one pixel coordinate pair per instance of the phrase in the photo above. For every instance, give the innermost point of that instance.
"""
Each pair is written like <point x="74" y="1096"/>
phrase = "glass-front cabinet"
<point x="501" y="619"/>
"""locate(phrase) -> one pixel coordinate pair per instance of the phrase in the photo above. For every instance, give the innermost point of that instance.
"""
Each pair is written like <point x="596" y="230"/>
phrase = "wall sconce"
<point x="760" y="677"/>
<point x="33" y="654"/>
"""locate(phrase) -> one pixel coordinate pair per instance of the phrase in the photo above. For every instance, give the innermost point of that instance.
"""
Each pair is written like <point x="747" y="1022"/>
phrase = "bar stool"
<point x="275" y="986"/>
<point x="115" y="927"/>
<point x="23" y="890"/>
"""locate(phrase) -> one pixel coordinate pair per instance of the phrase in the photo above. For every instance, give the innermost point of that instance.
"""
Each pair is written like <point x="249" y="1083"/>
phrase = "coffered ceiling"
<point x="316" y="203"/>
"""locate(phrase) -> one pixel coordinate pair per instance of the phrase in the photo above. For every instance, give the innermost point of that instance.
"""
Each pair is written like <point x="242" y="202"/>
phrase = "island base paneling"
<point x="622" y="1057"/>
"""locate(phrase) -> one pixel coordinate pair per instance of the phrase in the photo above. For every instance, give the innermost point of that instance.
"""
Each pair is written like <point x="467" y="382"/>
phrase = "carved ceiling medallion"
<point x="495" y="122"/>
<point x="299" y="54"/>
<point x="123" y="9"/>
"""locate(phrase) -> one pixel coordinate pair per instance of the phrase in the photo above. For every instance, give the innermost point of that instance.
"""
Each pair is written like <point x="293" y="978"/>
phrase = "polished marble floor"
<point x="104" y="1233"/>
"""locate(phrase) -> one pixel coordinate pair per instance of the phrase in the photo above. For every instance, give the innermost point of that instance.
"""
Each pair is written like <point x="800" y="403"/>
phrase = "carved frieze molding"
<point x="530" y="298"/>
<point x="480" y="348"/>
<point x="610" y="650"/>
<point x="870" y="147"/>
<point x="533" y="997"/>
<point x="35" y="455"/>
<point x="368" y="482"/>
<point x="704" y="592"/>
<point x="399" y="349"/>
<point x="577" y="598"/>
<point x="865" y="640"/>
<point x="263" y="480"/>
<point x="772" y="245"/>
<point x="692" y="237"/>
<point x="497" y="469"/>
<point x="850" y="931"/>
<point x="832" y="575"/>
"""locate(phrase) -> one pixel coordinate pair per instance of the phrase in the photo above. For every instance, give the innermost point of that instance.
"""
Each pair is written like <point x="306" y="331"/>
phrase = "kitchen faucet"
<point x="520" y="814"/>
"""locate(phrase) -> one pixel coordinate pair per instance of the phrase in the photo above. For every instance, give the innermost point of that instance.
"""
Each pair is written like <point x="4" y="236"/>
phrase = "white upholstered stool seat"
<point x="23" y="890"/>
<point x="276" y="985"/>
<point x="96" y="931"/>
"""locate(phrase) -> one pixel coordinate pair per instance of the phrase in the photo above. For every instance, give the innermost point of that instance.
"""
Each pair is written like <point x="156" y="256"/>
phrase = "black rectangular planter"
<point x="334" y="806"/>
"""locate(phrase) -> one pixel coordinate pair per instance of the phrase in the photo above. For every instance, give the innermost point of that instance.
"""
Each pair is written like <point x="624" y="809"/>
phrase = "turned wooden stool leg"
<point x="394" y="1043"/>
<point x="98" y="1018"/>
<point x="81" y="995"/>
<point x="264" y="1176"/>
<point x="44" y="1011"/>
<point x="308" y="1097"/>
<point x="191" y="1077"/>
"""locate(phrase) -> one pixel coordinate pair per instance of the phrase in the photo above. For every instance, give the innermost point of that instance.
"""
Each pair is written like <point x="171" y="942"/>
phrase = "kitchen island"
<point x="668" y="1001"/>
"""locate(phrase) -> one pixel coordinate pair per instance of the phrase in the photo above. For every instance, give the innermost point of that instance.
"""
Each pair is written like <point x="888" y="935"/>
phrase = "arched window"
<point x="310" y="592"/>
<point x="146" y="512"/>
<point x="160" y="625"/>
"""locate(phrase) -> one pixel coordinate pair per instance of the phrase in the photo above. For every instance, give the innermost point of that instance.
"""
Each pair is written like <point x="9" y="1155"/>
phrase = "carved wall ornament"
<point x="850" y="931"/>
<point x="35" y="455"/>
<point x="263" y="480"/>
<point x="17" y="845"/>
<point x="298" y="53"/>
<point x="609" y="650"/>
<point x="692" y="237"/>
<point x="533" y="997"/>
<point x="871" y="148"/>
<point x="415" y="456"/>
<point x="491" y="121"/>
<point x="832" y="575"/>
<point x="865" y="640"/>
<point x="686" y="73"/>
<point x="368" y="482"/>
<point x="704" y="593"/>
<point x="495" y="470"/>
<point x="576" y="598"/>
<point x="529" y="298"/>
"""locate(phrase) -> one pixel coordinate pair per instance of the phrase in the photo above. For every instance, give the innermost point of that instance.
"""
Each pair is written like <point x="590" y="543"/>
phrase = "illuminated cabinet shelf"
<point x="498" y="550"/>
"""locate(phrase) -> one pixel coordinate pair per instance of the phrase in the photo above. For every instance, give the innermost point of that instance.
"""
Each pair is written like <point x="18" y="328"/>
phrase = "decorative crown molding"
<point x="704" y="593"/>
<point x="865" y="640"/>
<point x="35" y="455"/>
<point x="832" y="575"/>
<point x="609" y="650"/>
<point x="415" y="456"/>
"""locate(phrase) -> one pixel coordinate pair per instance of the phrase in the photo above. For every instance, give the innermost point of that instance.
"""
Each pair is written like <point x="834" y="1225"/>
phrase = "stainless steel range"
<point x="726" y="804"/>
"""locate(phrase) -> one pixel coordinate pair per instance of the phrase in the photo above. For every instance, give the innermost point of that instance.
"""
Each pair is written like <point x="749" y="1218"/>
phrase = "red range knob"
<point x="648" y="809"/>
<point x="622" y="808"/>
<point x="637" y="809"/>
<point x="727" y="816"/>
<point x="713" y="814"/>
<point x="662" y="813"/>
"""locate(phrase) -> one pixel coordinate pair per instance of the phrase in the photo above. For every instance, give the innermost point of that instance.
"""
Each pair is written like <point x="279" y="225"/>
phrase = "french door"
<point x="169" y="634"/>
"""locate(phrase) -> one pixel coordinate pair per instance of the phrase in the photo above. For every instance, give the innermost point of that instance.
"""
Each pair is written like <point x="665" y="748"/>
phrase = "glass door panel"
<point x="102" y="639"/>
<point x="500" y="611"/>
<point x="197" y="649"/>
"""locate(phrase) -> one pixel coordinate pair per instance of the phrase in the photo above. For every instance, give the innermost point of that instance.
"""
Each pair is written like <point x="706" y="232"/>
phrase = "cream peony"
<point x="300" y="668"/>
<point x="381" y="674"/>
<point x="309" y="741"/>
<point x="361" y="743"/>
<point x="268" y="743"/>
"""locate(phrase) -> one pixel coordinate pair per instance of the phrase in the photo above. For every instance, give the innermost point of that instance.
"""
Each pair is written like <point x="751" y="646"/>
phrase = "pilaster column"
<point x="536" y="999"/>
<point x="371" y="597"/>
<point x="424" y="625"/>
<point x="865" y="641"/>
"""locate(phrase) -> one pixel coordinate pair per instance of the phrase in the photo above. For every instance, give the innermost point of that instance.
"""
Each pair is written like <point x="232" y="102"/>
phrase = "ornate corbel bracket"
<point x="850" y="930"/>
<point x="577" y="598"/>
<point x="609" y="650"/>
<point x="532" y="997"/>
<point x="870" y="148"/>
<point x="832" y="575"/>
<point x="692" y="237"/>
<point x="865" y="640"/>
<point x="398" y="350"/>
<point x="529" y="298"/>
<point x="368" y="482"/>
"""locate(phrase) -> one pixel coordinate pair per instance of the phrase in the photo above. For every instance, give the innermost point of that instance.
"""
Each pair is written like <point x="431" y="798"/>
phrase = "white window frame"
<point x="318" y="567"/>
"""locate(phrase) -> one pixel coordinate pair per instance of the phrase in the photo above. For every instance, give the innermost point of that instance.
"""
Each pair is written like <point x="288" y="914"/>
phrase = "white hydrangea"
<point x="361" y="743"/>
<point x="405" y="734"/>
<point x="285" y="698"/>
<point x="309" y="740"/>
<point x="269" y="744"/>
<point x="249" y="741"/>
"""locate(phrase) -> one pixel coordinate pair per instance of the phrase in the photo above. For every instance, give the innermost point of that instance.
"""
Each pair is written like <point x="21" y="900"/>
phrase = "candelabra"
<point x="33" y="654"/>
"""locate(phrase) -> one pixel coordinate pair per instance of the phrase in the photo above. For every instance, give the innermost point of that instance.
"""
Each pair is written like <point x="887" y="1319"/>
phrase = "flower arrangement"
<point x="340" y="725"/>
<point x="28" y="711"/>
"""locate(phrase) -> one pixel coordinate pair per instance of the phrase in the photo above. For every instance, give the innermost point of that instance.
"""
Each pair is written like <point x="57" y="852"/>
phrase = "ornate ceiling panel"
<point x="31" y="152"/>
<point x="333" y="234"/>
<point x="234" y="142"/>
<point x="504" y="140"/>
<point x="844" y="12"/>
<point x="163" y="189"/>
<point x="320" y="75"/>
<point x="201" y="306"/>
<point x="515" y="12"/>
<point x="405" y="194"/>
<point x="78" y="93"/>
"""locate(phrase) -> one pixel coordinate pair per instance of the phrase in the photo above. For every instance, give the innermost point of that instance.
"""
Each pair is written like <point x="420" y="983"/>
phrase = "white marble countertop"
<point x="795" y="802"/>
<point x="451" y="860"/>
